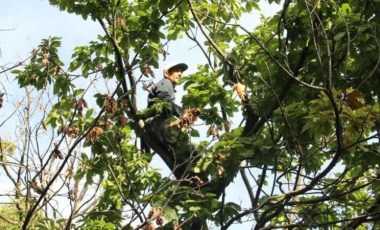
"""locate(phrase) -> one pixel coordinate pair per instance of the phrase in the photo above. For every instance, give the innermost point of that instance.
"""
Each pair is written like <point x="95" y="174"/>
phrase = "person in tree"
<point x="167" y="140"/>
<point x="165" y="88"/>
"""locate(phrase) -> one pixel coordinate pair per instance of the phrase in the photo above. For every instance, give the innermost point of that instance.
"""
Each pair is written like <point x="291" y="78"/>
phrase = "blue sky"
<point x="25" y="22"/>
<point x="29" y="21"/>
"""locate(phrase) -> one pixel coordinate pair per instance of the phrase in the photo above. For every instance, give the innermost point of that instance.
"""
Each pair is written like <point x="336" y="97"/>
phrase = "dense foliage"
<point x="305" y="82"/>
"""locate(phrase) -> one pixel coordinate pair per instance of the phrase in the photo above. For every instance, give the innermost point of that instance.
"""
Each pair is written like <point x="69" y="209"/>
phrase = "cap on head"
<point x="171" y="65"/>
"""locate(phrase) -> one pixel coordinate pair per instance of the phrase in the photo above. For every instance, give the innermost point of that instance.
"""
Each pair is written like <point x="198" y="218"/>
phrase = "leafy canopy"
<point x="301" y="91"/>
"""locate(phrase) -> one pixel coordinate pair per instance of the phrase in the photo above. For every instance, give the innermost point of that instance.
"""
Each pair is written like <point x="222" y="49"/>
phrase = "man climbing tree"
<point x="163" y="134"/>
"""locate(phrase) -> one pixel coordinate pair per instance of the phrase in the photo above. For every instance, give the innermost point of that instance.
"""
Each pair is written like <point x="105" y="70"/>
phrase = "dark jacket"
<point x="164" y="89"/>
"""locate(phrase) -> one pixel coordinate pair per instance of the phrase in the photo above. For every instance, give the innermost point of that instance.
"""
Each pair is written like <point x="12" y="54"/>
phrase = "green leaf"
<point x="170" y="214"/>
<point x="195" y="208"/>
<point x="339" y="36"/>
<point x="346" y="9"/>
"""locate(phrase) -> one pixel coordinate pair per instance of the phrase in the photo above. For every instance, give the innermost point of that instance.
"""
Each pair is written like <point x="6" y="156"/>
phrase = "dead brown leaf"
<point x="122" y="24"/>
<point x="57" y="70"/>
<point x="354" y="99"/>
<point x="220" y="156"/>
<point x="240" y="90"/>
<point x="57" y="153"/>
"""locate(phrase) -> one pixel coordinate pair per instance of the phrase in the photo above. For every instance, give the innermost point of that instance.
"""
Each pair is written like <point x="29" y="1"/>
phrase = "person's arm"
<point x="177" y="110"/>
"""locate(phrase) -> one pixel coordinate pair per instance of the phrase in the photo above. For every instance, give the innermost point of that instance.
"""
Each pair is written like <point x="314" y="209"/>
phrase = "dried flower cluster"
<point x="1" y="99"/>
<point x="94" y="133"/>
<point x="56" y="153"/>
<point x="213" y="131"/>
<point x="154" y="214"/>
<point x="110" y="105"/>
<point x="354" y="99"/>
<point x="80" y="105"/>
<point x="71" y="131"/>
<point x="196" y="180"/>
<point x="186" y="119"/>
<point x="220" y="157"/>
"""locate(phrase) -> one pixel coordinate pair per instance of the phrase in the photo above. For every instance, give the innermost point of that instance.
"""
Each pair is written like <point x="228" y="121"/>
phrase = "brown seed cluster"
<point x="93" y="134"/>
<point x="220" y="169"/>
<point x="1" y="99"/>
<point x="196" y="180"/>
<point x="354" y="99"/>
<point x="71" y="131"/>
<point x="110" y="105"/>
<point x="213" y="131"/>
<point x="57" y="153"/>
<point x="157" y="215"/>
<point x="80" y="105"/>
<point x="186" y="119"/>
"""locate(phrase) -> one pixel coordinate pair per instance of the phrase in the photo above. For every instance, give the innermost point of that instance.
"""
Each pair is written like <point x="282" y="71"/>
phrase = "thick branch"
<point x="253" y="122"/>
